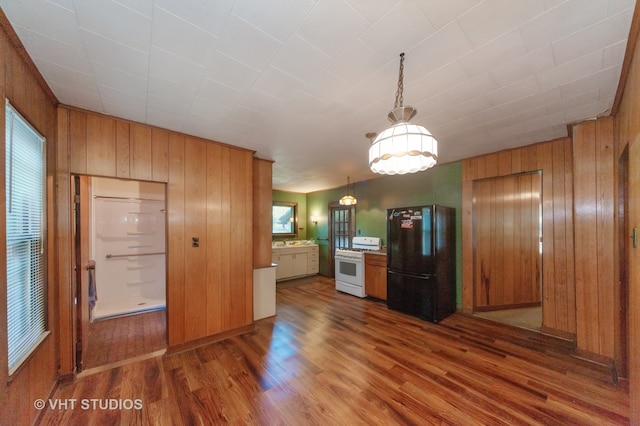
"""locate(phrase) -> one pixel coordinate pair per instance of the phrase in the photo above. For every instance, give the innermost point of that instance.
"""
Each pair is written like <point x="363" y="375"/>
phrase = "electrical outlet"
<point x="195" y="242"/>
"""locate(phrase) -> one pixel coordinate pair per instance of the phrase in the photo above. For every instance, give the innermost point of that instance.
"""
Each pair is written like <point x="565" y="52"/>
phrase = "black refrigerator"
<point x="421" y="261"/>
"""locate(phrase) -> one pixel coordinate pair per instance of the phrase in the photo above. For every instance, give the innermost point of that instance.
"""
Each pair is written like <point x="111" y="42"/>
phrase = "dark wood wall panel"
<point x="217" y="240"/>
<point x="262" y="200"/>
<point x="558" y="291"/>
<point x="176" y="241"/>
<point x="209" y="197"/>
<point x="195" y="227"/>
<point x="594" y="236"/>
<point x="101" y="146"/>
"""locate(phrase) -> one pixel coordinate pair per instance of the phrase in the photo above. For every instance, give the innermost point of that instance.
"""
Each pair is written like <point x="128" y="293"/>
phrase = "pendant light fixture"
<point x="403" y="147"/>
<point x="348" y="200"/>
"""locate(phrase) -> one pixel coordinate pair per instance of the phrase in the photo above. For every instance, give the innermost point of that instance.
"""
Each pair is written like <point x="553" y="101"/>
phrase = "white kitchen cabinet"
<point x="295" y="261"/>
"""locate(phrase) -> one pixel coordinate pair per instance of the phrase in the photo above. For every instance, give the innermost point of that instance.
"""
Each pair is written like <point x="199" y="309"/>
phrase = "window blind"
<point x="25" y="195"/>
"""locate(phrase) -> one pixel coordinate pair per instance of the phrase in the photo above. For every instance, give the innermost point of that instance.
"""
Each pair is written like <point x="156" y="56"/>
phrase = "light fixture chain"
<point x="399" y="96"/>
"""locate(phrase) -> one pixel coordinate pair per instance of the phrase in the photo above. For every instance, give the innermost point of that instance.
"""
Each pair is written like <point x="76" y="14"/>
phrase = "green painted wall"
<point x="439" y="185"/>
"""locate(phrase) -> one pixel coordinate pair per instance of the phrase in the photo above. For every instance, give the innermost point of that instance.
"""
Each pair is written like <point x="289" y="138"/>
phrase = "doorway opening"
<point x="507" y="215"/>
<point x="342" y="229"/>
<point x="120" y="263"/>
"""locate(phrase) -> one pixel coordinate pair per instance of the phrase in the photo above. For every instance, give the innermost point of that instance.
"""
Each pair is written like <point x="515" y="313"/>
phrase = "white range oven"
<point x="350" y="265"/>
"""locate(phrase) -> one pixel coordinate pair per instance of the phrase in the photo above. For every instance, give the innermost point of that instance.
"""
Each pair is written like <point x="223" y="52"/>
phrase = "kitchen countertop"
<point x="378" y="253"/>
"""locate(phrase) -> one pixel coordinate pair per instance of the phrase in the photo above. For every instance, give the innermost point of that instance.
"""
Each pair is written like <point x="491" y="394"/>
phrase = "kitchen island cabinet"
<point x="295" y="261"/>
<point x="375" y="275"/>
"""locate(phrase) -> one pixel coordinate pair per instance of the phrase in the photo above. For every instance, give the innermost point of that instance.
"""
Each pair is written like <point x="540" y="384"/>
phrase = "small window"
<point x="25" y="231"/>
<point x="284" y="219"/>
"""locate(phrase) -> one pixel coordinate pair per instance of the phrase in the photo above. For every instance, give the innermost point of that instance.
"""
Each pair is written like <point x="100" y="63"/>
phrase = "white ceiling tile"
<point x="143" y="7"/>
<point x="595" y="37"/>
<point x="616" y="6"/>
<point x="247" y="44"/>
<point x="114" y="97"/>
<point x="119" y="80"/>
<point x="45" y="18"/>
<point x="217" y="92"/>
<point x="588" y="111"/>
<point x="105" y="51"/>
<point x="441" y="13"/>
<point x="372" y="10"/>
<point x="53" y="51"/>
<point x="66" y="76"/>
<point x="440" y="48"/>
<point x="571" y="102"/>
<point x="78" y="98"/>
<point x="501" y="50"/>
<point x="438" y="81"/>
<point x="114" y="21"/>
<point x="158" y="87"/>
<point x="570" y="71"/>
<point x="169" y="121"/>
<point x="517" y="90"/>
<point x="204" y="107"/>
<point x="305" y="104"/>
<point x="524" y="66"/>
<point x="398" y="31"/>
<point x="279" y="18"/>
<point x="181" y="38"/>
<point x="261" y="101"/>
<point x="211" y="16"/>
<point x="356" y="63"/>
<point x="327" y="86"/>
<point x="476" y="86"/>
<point x="606" y="78"/>
<point x="562" y="21"/>
<point x="178" y="70"/>
<point x="129" y="112"/>
<point x="288" y="59"/>
<point x="614" y="54"/>
<point x="492" y="18"/>
<point x="230" y="72"/>
<point x="277" y="84"/>
<point x="332" y="25"/>
<point x="65" y="4"/>
<point x="543" y="122"/>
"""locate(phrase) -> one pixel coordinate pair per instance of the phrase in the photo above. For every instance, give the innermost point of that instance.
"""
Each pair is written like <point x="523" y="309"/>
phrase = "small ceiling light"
<point x="348" y="200"/>
<point x="403" y="147"/>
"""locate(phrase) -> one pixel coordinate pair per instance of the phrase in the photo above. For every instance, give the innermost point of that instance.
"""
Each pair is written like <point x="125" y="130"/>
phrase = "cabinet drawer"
<point x="375" y="259"/>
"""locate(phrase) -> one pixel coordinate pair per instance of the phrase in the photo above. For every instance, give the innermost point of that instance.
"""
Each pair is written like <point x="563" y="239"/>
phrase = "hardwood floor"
<point x="331" y="358"/>
<point x="117" y="339"/>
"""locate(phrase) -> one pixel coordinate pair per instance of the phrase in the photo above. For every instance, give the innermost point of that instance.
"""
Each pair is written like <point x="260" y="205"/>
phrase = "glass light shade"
<point x="403" y="148"/>
<point x="348" y="200"/>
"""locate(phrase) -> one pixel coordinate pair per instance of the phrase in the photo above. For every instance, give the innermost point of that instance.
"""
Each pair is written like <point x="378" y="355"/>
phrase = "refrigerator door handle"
<point x="421" y="276"/>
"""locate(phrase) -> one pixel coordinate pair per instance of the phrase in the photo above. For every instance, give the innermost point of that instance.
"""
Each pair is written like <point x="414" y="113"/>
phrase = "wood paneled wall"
<point x="554" y="159"/>
<point x="21" y="84"/>
<point x="209" y="198"/>
<point x="594" y="225"/>
<point x="627" y="130"/>
<point x="262" y="201"/>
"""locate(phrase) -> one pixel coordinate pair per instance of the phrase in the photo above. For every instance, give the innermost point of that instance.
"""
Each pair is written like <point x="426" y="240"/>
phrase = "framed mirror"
<point x="284" y="219"/>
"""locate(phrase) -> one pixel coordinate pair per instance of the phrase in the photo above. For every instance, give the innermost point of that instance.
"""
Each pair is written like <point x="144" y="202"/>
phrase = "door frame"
<point x="334" y="206"/>
<point x="79" y="264"/>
